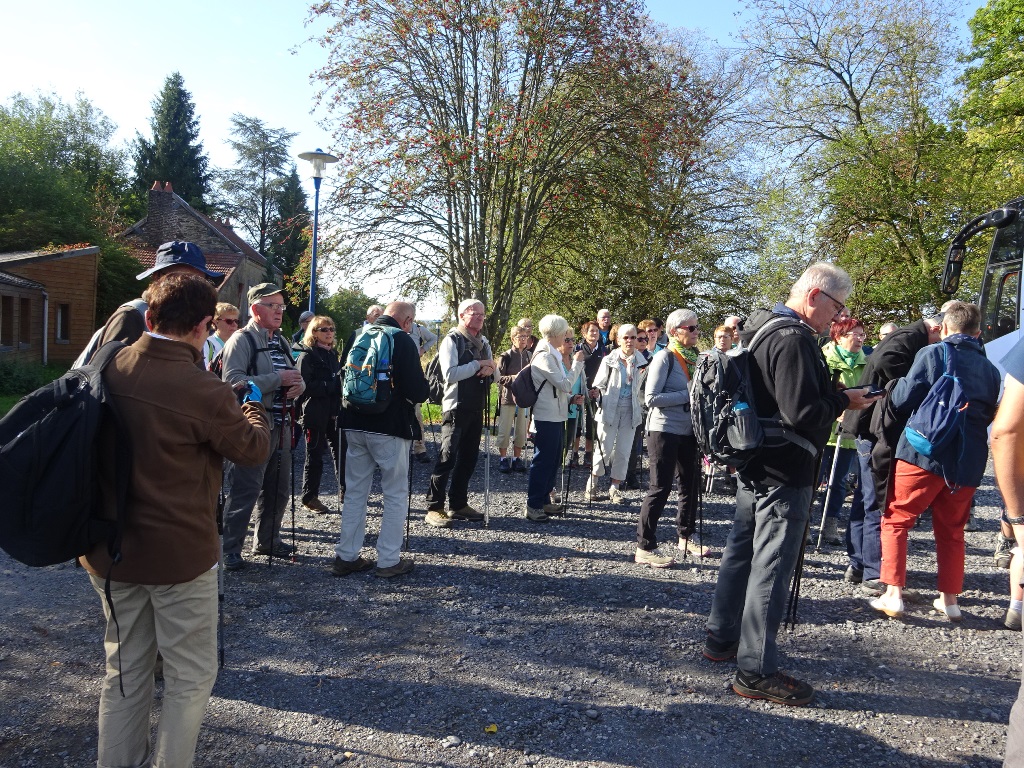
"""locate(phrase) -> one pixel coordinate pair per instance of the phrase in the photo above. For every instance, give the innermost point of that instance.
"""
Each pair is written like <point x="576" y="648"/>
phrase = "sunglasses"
<point x="690" y="328"/>
<point x="642" y="338"/>
<point x="228" y="320"/>
<point x="325" y="329"/>
<point x="627" y="338"/>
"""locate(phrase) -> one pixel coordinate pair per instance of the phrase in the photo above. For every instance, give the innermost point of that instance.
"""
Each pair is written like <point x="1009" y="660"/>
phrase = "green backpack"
<point x="367" y="383"/>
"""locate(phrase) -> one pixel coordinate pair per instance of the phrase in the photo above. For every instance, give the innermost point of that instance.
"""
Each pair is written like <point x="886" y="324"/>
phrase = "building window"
<point x="63" y="330"/>
<point x="6" y="321"/>
<point x="25" y="323"/>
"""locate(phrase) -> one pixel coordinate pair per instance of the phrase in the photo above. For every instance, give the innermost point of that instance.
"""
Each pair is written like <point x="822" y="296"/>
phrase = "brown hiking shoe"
<point x="345" y="567"/>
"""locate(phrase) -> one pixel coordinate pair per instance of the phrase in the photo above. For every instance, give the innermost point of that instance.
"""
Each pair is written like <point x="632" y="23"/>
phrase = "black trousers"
<point x="460" y="446"/>
<point x="317" y="443"/>
<point x="672" y="456"/>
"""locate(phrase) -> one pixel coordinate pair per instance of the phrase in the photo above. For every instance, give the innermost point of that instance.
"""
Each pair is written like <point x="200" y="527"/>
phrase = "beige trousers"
<point x="179" y="620"/>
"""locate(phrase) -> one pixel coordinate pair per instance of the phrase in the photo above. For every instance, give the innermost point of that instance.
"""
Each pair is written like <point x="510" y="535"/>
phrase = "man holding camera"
<point x="259" y="354"/>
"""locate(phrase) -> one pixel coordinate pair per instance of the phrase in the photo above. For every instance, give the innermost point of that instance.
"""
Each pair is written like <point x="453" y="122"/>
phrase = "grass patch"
<point x="18" y="379"/>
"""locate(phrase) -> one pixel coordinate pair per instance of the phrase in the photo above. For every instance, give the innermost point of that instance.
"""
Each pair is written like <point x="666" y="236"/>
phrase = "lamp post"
<point x="319" y="159"/>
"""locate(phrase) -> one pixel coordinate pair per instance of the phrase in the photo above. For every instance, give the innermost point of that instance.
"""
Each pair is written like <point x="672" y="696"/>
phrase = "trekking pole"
<point x="291" y="455"/>
<point x="562" y="488"/>
<point x="408" y="507"/>
<point x="487" y="458"/>
<point x="798" y="571"/>
<point x="828" y="491"/>
<point x="220" y="571"/>
<point x="337" y="464"/>
<point x="277" y="489"/>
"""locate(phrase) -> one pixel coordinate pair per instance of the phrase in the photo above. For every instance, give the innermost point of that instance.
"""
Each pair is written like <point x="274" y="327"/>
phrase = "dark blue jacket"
<point x="964" y="463"/>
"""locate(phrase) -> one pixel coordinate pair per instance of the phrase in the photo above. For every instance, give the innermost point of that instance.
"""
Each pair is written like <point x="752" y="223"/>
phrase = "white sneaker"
<point x="653" y="558"/>
<point x="952" y="611"/>
<point x="616" y="496"/>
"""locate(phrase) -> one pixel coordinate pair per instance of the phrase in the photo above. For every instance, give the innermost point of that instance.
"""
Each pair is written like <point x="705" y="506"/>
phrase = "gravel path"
<point x="526" y="644"/>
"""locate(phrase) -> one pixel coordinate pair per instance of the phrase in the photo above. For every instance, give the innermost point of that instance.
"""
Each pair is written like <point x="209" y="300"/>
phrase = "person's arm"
<point x="410" y="381"/>
<point x="550" y="368"/>
<point x="451" y="371"/>
<point x="655" y="395"/>
<point x="238" y="351"/>
<point x="911" y="390"/>
<point x="427" y="339"/>
<point x="796" y="372"/>
<point x="1008" y="450"/>
<point x="241" y="434"/>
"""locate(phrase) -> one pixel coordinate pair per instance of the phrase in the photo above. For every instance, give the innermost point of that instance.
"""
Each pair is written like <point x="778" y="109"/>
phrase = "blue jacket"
<point x="964" y="464"/>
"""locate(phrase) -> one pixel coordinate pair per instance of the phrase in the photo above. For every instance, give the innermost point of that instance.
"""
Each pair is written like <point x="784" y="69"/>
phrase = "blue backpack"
<point x="367" y="380"/>
<point x="937" y="423"/>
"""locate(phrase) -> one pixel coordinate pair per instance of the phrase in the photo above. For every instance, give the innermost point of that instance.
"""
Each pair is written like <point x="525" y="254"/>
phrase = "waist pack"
<point x="725" y="420"/>
<point x="368" y="380"/>
<point x="938" y="423"/>
<point x="49" y="460"/>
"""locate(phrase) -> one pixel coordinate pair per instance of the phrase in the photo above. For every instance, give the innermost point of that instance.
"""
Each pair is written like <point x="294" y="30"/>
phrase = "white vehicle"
<point x="1000" y="300"/>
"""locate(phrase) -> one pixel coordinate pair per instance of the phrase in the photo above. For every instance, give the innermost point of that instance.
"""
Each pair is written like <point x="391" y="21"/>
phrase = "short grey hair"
<point x="679" y="317"/>
<point x="467" y="303"/>
<point x="552" y="326"/>
<point x="825" y="277"/>
<point x="623" y="329"/>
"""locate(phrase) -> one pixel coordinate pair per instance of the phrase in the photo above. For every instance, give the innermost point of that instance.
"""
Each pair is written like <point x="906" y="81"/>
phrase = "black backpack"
<point x="435" y="380"/>
<point x="524" y="392"/>
<point x="722" y="410"/>
<point x="49" y="468"/>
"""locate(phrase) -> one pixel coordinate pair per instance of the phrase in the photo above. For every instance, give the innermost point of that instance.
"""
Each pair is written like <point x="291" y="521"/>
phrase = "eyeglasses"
<point x="644" y="339"/>
<point x="325" y="329"/>
<point x="627" y="338"/>
<point x="228" y="320"/>
<point x="856" y="335"/>
<point x="569" y="340"/>
<point x="690" y="328"/>
<point x="274" y="307"/>
<point x="842" y="307"/>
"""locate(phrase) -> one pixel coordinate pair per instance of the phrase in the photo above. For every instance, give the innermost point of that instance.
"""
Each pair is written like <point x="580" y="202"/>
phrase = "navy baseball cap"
<point x="180" y="252"/>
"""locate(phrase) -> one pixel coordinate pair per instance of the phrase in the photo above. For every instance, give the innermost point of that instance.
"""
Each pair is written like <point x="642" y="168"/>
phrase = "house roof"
<point x="17" y="258"/>
<point x="224" y="259"/>
<point x="6" y="278"/>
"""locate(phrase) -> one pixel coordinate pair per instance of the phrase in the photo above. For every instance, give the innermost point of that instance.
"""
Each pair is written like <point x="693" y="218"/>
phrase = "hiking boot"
<point x="280" y="549"/>
<point x="468" y="514"/>
<point x="1012" y="620"/>
<point x="693" y="547"/>
<point x="317" y="507"/>
<point x="1004" y="551"/>
<point x="779" y="687"/>
<point x="422" y="457"/>
<point x="616" y="496"/>
<point x="653" y="558"/>
<point x="536" y="515"/>
<point x="345" y="567"/>
<point x="504" y="465"/>
<point x="872" y="587"/>
<point x="403" y="566"/>
<point x="719" y="650"/>
<point x="234" y="562"/>
<point x="854" y="575"/>
<point x="831" y="533"/>
<point x="972" y="525"/>
<point x="437" y="518"/>
<point x="554" y="509"/>
<point x="518" y="465"/>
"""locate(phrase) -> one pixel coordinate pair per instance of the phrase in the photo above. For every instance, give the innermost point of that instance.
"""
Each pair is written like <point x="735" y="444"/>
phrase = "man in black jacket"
<point x="382" y="440"/>
<point x="791" y="381"/>
<point x="877" y="431"/>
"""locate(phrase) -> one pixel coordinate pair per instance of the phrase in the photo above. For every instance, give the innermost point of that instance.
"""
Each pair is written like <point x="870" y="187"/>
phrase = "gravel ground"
<point x="528" y="644"/>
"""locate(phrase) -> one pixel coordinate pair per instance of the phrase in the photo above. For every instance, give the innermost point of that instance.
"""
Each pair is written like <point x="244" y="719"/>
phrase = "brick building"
<point x="169" y="217"/>
<point x="47" y="303"/>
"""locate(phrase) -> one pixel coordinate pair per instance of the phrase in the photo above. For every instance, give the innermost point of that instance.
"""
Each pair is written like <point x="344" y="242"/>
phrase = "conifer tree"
<point x="290" y="232"/>
<point x="175" y="153"/>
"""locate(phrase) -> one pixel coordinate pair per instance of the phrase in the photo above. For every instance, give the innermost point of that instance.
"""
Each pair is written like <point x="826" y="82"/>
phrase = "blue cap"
<point x="180" y="252"/>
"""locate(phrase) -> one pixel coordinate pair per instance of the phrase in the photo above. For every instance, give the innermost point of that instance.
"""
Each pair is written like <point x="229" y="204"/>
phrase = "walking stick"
<point x="828" y="491"/>
<point x="408" y="507"/>
<point x="798" y="571"/>
<point x="291" y="454"/>
<point x="337" y="464"/>
<point x="220" y="571"/>
<point x="487" y="459"/>
<point x="277" y="488"/>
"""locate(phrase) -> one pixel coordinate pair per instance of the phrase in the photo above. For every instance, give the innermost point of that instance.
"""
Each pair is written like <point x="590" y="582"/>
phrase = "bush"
<point x="17" y="378"/>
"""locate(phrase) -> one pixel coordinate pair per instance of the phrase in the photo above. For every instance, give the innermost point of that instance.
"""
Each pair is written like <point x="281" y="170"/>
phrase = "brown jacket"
<point x="182" y="421"/>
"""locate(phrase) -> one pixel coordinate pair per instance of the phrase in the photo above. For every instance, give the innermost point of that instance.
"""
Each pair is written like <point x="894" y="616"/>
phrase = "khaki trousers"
<point x="179" y="620"/>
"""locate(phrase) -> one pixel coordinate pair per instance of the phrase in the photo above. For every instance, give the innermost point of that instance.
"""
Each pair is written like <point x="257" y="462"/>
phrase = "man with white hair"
<point x="886" y="329"/>
<point x="468" y="370"/>
<point x="604" y="325"/>
<point x="790" y="382"/>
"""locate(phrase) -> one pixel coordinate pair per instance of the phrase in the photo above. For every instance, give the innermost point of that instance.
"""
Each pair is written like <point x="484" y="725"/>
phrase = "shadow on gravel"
<point x="666" y="735"/>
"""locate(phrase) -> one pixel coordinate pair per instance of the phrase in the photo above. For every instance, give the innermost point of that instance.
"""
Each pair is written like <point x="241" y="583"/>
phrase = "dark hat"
<point x="307" y="315"/>
<point x="263" y="290"/>
<point x="180" y="252"/>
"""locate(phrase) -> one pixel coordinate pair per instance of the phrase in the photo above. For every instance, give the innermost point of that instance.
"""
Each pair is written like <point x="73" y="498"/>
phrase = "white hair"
<point x="467" y="303"/>
<point x="623" y="329"/>
<point x="825" y="277"/>
<point x="553" y="326"/>
<point x="679" y="317"/>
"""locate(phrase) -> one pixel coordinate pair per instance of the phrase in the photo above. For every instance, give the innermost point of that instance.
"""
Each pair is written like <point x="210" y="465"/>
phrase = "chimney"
<point x="159" y="227"/>
<point x="157" y="186"/>
<point x="168" y="187"/>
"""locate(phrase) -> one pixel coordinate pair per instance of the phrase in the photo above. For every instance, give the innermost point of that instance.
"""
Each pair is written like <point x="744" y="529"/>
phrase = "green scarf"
<point x="689" y="355"/>
<point x="850" y="358"/>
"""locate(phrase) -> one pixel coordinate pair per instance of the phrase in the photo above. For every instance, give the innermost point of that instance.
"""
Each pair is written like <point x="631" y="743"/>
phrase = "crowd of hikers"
<point x="789" y="408"/>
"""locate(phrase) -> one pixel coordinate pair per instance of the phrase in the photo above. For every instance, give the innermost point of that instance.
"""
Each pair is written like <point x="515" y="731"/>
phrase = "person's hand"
<point x="252" y="392"/>
<point x="860" y="399"/>
<point x="294" y="390"/>
<point x="594" y="393"/>
<point x="487" y="368"/>
<point x="290" y="377"/>
<point x="581" y="355"/>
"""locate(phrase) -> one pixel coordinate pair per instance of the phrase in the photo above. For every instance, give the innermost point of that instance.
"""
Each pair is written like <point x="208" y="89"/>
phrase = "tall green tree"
<point x="993" y="106"/>
<point x="290" y="229"/>
<point x="249" y="191"/>
<point x="174" y="153"/>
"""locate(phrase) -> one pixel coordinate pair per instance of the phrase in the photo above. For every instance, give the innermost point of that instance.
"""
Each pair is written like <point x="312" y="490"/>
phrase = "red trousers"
<point x="913" y="491"/>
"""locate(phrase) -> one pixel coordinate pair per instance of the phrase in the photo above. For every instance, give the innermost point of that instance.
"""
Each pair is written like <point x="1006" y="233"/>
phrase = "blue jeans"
<point x="547" y="452"/>
<point x="758" y="562"/>
<point x="864" y="533"/>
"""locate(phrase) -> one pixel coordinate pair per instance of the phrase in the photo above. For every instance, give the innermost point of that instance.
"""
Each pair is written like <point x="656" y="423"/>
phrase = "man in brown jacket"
<point x="182" y="422"/>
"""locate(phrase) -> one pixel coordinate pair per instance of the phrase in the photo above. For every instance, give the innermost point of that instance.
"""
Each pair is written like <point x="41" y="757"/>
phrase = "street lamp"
<point x="319" y="159"/>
